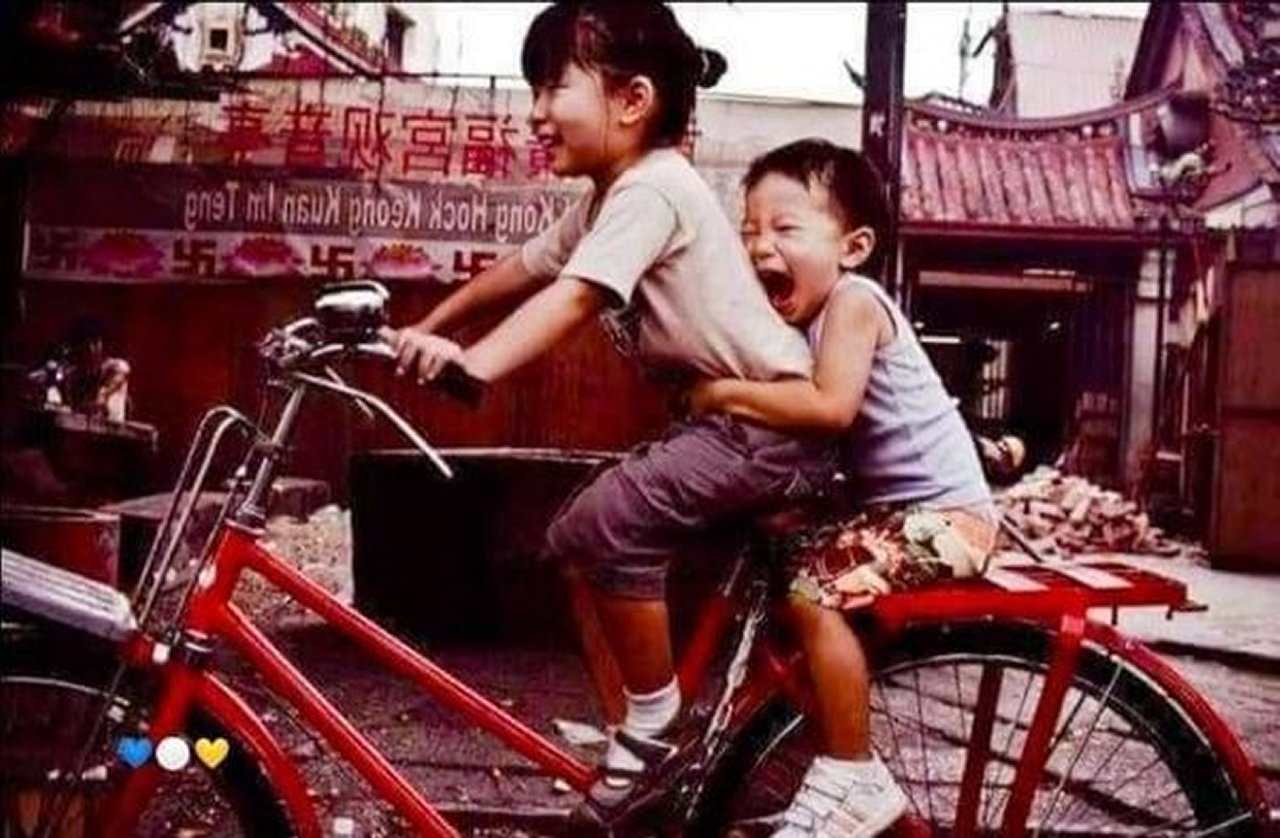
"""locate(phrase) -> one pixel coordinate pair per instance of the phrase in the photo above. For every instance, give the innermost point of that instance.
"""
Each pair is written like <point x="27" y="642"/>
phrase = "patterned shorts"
<point x="845" y="564"/>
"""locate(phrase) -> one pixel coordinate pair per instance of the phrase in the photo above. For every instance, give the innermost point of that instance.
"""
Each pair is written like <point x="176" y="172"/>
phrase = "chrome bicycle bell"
<point x="352" y="312"/>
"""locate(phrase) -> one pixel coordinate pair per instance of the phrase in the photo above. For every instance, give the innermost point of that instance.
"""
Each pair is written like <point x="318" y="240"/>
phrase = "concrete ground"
<point x="1230" y="652"/>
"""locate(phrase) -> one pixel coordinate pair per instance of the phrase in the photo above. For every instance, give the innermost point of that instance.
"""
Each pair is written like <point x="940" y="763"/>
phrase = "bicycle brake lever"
<point x="383" y="408"/>
<point x="361" y="406"/>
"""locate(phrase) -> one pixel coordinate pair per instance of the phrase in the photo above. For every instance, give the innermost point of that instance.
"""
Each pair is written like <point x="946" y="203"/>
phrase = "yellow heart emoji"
<point x="212" y="752"/>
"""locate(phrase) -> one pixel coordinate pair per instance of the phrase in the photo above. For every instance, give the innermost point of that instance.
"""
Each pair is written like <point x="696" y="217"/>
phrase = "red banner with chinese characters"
<point x="146" y="222"/>
<point x="335" y="179"/>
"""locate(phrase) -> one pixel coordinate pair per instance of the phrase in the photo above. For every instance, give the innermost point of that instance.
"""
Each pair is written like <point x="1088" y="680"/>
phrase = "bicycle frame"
<point x="212" y="617"/>
<point x="1056" y="598"/>
<point x="1053" y="597"/>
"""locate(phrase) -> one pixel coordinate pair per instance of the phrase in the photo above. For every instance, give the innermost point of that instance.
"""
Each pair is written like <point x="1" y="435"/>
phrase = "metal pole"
<point x="1157" y="388"/>
<point x="882" y="116"/>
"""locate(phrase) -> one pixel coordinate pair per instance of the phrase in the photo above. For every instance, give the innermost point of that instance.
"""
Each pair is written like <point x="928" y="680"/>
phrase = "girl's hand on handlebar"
<point x="423" y="355"/>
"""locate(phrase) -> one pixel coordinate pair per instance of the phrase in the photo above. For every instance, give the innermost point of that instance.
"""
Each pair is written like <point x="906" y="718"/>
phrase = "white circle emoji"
<point x="173" y="753"/>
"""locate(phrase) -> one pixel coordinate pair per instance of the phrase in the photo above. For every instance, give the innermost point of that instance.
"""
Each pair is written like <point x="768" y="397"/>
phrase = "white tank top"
<point x="908" y="443"/>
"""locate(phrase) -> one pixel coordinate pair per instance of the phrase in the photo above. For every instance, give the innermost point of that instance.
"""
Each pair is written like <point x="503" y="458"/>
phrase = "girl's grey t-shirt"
<point x="687" y="299"/>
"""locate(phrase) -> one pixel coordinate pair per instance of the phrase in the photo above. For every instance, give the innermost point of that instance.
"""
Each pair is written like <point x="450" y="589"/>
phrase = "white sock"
<point x="648" y="715"/>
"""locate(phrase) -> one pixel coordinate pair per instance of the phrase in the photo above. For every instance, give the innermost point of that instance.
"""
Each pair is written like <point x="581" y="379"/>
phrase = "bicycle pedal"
<point x="629" y="822"/>
<point x="649" y="811"/>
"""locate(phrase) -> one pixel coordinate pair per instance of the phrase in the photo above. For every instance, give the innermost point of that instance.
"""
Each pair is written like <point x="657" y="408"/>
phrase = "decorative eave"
<point x="1238" y="51"/>
<point x="982" y="174"/>
<point x="329" y="40"/>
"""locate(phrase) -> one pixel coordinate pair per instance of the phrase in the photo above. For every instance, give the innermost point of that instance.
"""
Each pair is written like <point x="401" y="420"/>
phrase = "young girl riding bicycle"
<point x="651" y="250"/>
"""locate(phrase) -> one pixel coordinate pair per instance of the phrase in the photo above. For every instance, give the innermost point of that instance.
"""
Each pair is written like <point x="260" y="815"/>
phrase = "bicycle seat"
<point x="782" y="520"/>
<point x="65" y="597"/>
<point x="833" y="501"/>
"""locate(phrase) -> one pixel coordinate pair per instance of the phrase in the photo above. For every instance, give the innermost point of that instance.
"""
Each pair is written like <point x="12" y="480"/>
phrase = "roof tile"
<point x="975" y="175"/>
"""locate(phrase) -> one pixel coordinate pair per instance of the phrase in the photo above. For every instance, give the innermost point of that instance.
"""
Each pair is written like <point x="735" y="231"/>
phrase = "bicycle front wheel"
<point x="951" y="710"/>
<point x="46" y="719"/>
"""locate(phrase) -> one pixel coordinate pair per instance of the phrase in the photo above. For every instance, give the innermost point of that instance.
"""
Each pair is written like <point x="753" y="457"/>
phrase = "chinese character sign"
<point x="208" y="223"/>
<point x="345" y="180"/>
<point x="336" y="178"/>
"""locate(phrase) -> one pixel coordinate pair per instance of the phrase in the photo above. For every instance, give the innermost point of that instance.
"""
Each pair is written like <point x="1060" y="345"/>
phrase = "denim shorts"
<point x="626" y="523"/>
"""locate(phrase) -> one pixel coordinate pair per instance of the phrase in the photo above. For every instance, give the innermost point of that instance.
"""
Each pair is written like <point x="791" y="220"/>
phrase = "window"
<point x="993" y="401"/>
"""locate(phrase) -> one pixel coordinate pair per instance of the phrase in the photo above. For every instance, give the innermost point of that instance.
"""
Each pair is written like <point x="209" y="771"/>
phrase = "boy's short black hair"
<point x="854" y="185"/>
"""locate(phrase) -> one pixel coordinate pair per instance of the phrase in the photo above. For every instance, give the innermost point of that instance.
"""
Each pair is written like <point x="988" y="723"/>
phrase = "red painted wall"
<point x="192" y="346"/>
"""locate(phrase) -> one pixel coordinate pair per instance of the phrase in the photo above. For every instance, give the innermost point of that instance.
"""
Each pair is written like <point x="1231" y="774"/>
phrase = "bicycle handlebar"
<point x="301" y="345"/>
<point x="350" y="318"/>
<point x="453" y="381"/>
<point x="369" y="400"/>
<point x="296" y="351"/>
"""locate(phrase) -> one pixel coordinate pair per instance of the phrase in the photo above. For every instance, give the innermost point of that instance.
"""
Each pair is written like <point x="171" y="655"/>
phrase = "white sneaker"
<point x="836" y="806"/>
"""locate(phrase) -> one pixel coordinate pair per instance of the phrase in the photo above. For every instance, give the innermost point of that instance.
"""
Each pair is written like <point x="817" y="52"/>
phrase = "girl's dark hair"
<point x="854" y="185"/>
<point x="623" y="40"/>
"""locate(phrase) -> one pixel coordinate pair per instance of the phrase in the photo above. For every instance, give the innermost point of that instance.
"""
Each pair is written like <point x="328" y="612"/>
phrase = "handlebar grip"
<point x="453" y="381"/>
<point x="456" y="383"/>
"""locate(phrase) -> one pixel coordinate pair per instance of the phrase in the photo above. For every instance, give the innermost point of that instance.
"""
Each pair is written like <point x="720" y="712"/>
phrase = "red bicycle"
<point x="998" y="704"/>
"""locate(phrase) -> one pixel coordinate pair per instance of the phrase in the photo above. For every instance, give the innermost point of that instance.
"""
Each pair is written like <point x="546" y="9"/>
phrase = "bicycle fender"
<point x="1194" y="704"/>
<point x="228" y="708"/>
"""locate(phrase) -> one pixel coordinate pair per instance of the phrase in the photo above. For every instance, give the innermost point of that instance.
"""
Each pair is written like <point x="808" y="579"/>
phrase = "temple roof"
<point x="962" y="170"/>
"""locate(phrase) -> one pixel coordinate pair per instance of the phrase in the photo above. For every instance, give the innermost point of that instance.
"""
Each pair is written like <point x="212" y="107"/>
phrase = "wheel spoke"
<point x="1121" y="741"/>
<point x="993" y="811"/>
<point x="1080" y="746"/>
<point x="1124" y="758"/>
<point x="899" y="757"/>
<point x="924" y="746"/>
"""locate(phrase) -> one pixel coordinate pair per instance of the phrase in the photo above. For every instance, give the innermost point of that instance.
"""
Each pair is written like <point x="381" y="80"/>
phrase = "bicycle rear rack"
<point x="65" y="597"/>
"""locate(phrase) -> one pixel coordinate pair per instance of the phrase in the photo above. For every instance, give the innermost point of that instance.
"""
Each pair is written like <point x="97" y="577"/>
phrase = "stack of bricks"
<point x="1065" y="514"/>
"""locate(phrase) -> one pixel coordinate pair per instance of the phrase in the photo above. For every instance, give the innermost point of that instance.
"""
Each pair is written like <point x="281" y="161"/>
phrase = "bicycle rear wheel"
<point x="46" y="719"/>
<point x="1125" y="759"/>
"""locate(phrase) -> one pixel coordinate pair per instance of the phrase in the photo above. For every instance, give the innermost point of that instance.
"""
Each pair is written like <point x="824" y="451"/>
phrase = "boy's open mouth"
<point x="777" y="285"/>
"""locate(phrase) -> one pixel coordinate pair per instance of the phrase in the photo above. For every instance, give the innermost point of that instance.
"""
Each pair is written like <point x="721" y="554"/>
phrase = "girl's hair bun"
<point x="713" y="67"/>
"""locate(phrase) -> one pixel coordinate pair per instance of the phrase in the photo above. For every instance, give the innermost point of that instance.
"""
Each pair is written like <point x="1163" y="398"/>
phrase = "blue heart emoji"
<point x="133" y="751"/>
